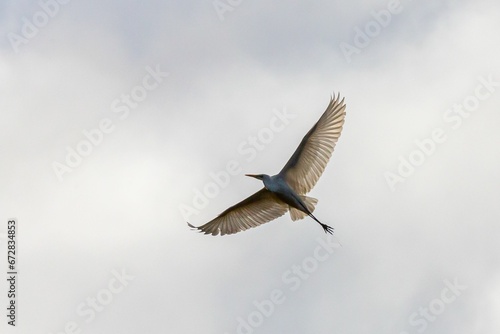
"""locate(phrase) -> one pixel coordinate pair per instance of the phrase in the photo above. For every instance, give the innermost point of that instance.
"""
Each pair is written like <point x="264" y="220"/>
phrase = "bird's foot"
<point x="328" y="229"/>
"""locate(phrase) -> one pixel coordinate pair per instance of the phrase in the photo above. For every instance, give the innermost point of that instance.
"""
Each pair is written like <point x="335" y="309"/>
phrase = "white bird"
<point x="286" y="190"/>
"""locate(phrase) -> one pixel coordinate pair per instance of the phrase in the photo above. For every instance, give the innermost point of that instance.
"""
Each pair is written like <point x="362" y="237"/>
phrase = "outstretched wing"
<point x="260" y="208"/>
<point x="308" y="162"/>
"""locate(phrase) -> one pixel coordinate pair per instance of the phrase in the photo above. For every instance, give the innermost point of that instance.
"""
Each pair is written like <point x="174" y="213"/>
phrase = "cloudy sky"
<point x="121" y="120"/>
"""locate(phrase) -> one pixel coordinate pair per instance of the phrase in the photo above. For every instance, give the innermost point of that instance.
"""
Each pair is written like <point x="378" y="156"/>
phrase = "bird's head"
<point x="257" y="176"/>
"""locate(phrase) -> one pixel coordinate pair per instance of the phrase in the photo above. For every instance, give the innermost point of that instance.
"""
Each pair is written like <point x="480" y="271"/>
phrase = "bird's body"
<point x="286" y="190"/>
<point x="277" y="185"/>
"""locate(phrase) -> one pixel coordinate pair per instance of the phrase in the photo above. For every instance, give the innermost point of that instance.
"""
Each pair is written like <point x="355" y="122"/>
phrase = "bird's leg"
<point x="328" y="229"/>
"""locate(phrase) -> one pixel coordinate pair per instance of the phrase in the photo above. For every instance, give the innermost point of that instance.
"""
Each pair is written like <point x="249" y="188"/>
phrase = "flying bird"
<point x="286" y="190"/>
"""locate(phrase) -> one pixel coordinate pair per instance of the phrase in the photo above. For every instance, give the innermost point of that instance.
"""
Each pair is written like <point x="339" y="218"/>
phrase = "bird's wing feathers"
<point x="260" y="208"/>
<point x="308" y="162"/>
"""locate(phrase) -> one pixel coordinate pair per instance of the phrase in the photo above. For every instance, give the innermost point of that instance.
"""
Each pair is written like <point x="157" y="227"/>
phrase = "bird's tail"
<point x="310" y="203"/>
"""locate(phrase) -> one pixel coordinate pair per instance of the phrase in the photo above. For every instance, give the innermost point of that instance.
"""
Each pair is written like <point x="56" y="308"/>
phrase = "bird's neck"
<point x="269" y="182"/>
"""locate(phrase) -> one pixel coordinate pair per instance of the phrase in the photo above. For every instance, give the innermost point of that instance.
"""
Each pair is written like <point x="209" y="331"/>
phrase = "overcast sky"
<point x="121" y="120"/>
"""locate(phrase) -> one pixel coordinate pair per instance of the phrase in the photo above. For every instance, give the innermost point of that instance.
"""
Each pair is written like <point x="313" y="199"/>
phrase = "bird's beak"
<point x="251" y="175"/>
